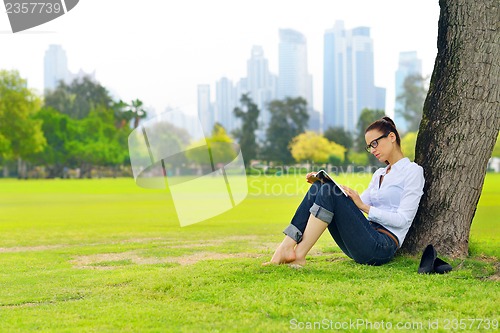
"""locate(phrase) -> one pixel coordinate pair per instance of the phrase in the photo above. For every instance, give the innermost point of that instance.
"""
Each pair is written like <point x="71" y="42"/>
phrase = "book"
<point x="326" y="178"/>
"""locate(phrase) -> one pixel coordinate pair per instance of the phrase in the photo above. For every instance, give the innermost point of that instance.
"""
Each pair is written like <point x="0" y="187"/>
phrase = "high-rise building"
<point x="348" y="76"/>
<point x="409" y="64"/>
<point x="293" y="77"/>
<point x="205" y="111"/>
<point x="225" y="102"/>
<point x="55" y="67"/>
<point x="261" y="85"/>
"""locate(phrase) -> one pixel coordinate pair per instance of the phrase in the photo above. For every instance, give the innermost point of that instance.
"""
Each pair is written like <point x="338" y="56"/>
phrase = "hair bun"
<point x="390" y="121"/>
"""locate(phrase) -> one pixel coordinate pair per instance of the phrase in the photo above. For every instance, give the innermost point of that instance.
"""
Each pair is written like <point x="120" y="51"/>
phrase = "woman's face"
<point x="380" y="144"/>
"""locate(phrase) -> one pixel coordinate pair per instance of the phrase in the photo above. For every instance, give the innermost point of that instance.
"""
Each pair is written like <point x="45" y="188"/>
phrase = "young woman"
<point x="390" y="202"/>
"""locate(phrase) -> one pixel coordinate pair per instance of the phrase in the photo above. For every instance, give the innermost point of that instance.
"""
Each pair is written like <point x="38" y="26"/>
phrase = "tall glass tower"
<point x="55" y="67"/>
<point x="225" y="101"/>
<point x="261" y="86"/>
<point x="205" y="114"/>
<point x="348" y="76"/>
<point x="293" y="77"/>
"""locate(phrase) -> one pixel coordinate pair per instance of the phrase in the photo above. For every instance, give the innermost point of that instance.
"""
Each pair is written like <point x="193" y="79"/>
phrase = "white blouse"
<point x="394" y="203"/>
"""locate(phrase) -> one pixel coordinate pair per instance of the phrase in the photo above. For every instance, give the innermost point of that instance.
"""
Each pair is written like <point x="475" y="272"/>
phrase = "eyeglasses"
<point x="374" y="143"/>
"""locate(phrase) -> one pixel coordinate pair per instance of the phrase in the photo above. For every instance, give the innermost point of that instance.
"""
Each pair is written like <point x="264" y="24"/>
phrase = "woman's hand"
<point x="356" y="199"/>
<point x="311" y="177"/>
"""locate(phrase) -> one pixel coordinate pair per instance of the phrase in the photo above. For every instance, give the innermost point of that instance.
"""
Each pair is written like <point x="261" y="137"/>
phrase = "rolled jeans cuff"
<point x="293" y="232"/>
<point x="321" y="213"/>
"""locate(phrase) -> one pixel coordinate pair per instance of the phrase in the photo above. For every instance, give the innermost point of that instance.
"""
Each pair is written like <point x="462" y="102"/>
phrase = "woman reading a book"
<point x="390" y="203"/>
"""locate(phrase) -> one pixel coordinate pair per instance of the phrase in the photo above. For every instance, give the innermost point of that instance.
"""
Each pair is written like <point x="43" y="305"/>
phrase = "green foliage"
<point x="138" y="111"/>
<point x="55" y="127"/>
<point x="20" y="133"/>
<point x="312" y="147"/>
<point x="343" y="138"/>
<point x="246" y="135"/>
<point x="496" y="149"/>
<point x="80" y="143"/>
<point x="289" y="118"/>
<point x="78" y="98"/>
<point x="408" y="143"/>
<point x="340" y="136"/>
<point x="213" y="151"/>
<point x="358" y="158"/>
<point x="412" y="100"/>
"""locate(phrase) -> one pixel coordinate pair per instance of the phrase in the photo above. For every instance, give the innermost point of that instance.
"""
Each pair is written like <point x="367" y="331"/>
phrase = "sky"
<point x="159" y="51"/>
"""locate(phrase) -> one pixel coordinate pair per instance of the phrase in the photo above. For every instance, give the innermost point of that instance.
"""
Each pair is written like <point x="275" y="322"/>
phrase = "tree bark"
<point x="459" y="127"/>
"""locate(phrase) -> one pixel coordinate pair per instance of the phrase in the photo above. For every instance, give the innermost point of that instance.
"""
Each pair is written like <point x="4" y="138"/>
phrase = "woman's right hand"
<point x="311" y="177"/>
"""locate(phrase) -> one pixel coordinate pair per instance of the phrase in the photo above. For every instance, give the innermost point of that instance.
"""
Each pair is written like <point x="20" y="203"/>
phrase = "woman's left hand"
<point x="356" y="199"/>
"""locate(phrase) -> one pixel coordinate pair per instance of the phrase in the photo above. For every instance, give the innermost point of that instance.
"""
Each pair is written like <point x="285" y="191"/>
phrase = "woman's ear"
<point x="392" y="136"/>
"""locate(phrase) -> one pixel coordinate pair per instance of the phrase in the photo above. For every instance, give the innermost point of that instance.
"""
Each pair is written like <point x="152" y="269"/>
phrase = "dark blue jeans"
<point x="353" y="233"/>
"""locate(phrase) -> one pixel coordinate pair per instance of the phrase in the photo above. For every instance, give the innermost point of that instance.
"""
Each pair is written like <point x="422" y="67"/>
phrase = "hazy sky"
<point x="158" y="51"/>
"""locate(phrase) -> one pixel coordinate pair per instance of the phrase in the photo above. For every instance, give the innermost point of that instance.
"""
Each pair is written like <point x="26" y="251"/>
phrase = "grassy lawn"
<point x="105" y="255"/>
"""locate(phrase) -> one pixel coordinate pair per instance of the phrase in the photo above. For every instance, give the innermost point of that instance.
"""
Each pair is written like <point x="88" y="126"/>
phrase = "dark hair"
<point x="385" y="125"/>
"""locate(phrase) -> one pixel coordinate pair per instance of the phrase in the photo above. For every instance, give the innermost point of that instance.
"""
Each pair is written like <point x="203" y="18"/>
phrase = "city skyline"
<point x="161" y="61"/>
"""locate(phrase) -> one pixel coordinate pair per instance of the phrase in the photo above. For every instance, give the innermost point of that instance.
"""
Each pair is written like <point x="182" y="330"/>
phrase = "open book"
<point x="325" y="178"/>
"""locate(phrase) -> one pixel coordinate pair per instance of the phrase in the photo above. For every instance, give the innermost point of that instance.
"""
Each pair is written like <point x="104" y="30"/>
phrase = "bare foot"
<point x="281" y="256"/>
<point x="298" y="263"/>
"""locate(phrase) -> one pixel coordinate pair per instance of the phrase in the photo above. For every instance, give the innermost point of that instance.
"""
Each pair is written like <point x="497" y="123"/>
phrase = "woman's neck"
<point x="396" y="156"/>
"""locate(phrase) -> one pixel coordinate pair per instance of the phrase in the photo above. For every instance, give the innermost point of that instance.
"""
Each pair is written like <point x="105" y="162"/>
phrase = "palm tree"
<point x="137" y="111"/>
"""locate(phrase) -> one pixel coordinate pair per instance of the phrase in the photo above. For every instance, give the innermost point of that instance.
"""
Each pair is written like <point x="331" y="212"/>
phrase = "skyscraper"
<point x="225" y="101"/>
<point x="205" y="112"/>
<point x="293" y="77"/>
<point x="348" y="76"/>
<point x="55" y="67"/>
<point x="409" y="64"/>
<point x="261" y="85"/>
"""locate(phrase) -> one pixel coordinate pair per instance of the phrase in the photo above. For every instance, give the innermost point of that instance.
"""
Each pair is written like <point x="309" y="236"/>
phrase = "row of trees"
<point x="80" y="126"/>
<point x="288" y="142"/>
<point x="77" y="126"/>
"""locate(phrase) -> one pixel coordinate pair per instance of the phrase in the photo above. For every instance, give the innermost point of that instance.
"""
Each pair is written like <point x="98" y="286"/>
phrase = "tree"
<point x="412" y="100"/>
<point x="78" y="98"/>
<point x="220" y="147"/>
<point x="136" y="107"/>
<point x="246" y="135"/>
<point x="459" y="127"/>
<point x="340" y="136"/>
<point x="123" y="114"/>
<point x="56" y="129"/>
<point x="21" y="134"/>
<point x="288" y="119"/>
<point x="310" y="146"/>
<point x="95" y="141"/>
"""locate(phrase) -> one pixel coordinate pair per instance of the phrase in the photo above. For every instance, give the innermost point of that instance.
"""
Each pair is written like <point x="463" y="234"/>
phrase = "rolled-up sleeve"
<point x="403" y="217"/>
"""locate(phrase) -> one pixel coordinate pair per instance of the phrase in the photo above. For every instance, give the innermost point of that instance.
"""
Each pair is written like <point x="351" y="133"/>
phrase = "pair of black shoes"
<point x="430" y="263"/>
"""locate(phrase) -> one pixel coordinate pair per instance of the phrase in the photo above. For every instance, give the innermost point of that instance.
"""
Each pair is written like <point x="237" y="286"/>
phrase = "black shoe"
<point x="441" y="266"/>
<point x="427" y="262"/>
<point x="430" y="263"/>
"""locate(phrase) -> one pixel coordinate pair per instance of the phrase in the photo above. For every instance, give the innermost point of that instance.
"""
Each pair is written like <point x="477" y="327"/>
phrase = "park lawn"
<point x="106" y="255"/>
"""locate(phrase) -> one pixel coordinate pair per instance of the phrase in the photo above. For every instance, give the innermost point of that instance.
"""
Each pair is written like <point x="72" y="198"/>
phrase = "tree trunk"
<point x="460" y="124"/>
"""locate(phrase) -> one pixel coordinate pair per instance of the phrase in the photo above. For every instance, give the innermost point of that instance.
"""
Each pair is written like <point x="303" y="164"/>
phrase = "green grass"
<point x="105" y="255"/>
